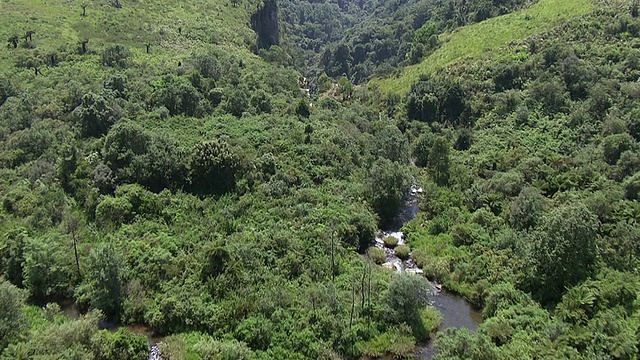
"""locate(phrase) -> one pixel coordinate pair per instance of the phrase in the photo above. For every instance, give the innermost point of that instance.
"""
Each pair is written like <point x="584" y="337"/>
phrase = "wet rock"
<point x="155" y="352"/>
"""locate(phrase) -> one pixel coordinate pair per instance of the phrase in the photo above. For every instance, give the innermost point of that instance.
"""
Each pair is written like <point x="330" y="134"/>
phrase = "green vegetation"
<point x="162" y="165"/>
<point x="486" y="40"/>
<point x="391" y="241"/>
<point x="403" y="251"/>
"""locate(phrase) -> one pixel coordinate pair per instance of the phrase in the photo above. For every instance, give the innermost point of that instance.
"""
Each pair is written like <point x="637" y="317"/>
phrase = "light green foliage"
<point x="48" y="267"/>
<point x="116" y="56"/>
<point x="120" y="345"/>
<point x="402" y="251"/>
<point x="397" y="342"/>
<point x="392" y="144"/>
<point x="213" y="167"/>
<point x="378" y="256"/>
<point x="485" y="38"/>
<point x="210" y="196"/>
<point x="391" y="241"/>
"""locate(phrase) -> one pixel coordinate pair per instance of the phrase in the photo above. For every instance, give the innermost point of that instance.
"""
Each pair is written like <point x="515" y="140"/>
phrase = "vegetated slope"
<point x="486" y="39"/>
<point x="531" y="170"/>
<point x="189" y="187"/>
<point x="358" y="39"/>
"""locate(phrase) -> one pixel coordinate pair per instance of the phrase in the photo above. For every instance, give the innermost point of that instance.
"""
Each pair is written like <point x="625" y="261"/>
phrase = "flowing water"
<point x="456" y="311"/>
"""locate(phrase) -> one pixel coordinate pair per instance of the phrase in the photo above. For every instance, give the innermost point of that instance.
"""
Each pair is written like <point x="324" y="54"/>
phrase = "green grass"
<point x="59" y="27"/>
<point x="486" y="39"/>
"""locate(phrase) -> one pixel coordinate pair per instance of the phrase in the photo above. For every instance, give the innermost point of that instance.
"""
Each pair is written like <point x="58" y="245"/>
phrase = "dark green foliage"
<point x="564" y="252"/>
<point x="422" y="148"/>
<point x="12" y="254"/>
<point x="388" y="183"/>
<point x="614" y="145"/>
<point x="117" y="85"/>
<point x="437" y="99"/>
<point x="176" y="94"/>
<point x="302" y="108"/>
<point x="632" y="187"/>
<point x="135" y="155"/>
<point x="96" y="115"/>
<point x="438" y="161"/>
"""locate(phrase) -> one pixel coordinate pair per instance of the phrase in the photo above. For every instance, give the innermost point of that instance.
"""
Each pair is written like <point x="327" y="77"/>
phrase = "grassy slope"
<point x="59" y="27"/>
<point x="485" y="39"/>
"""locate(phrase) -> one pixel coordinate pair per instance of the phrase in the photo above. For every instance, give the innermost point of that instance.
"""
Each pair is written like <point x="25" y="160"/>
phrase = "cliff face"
<point x="265" y="23"/>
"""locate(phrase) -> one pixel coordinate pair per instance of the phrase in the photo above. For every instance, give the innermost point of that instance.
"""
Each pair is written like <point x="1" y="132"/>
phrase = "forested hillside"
<point x="166" y="170"/>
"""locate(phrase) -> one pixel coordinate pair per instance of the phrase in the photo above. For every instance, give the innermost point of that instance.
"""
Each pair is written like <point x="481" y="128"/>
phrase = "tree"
<point x="103" y="282"/>
<point x="391" y="144"/>
<point x="564" y="252"/>
<point x="28" y="36"/>
<point x="236" y="102"/>
<point x="96" y="115"/>
<point x="388" y="184"/>
<point x="422" y="148"/>
<point x="83" y="46"/>
<point x="116" y="56"/>
<point x="120" y="345"/>
<point x="12" y="254"/>
<point x="527" y="209"/>
<point x="302" y="108"/>
<point x="405" y="297"/>
<point x="71" y="224"/>
<point x="438" y="161"/>
<point x="14" y="321"/>
<point x="213" y="167"/>
<point x="177" y="95"/>
<point x="13" y="41"/>
<point x="615" y="145"/>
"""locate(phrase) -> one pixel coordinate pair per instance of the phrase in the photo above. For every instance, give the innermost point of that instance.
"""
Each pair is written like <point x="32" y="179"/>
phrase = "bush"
<point x="431" y="320"/>
<point x="403" y="252"/>
<point x="391" y="241"/>
<point x="121" y="345"/>
<point x="396" y="342"/>
<point x="116" y="56"/>
<point x="433" y="267"/>
<point x="114" y="211"/>
<point x="378" y="256"/>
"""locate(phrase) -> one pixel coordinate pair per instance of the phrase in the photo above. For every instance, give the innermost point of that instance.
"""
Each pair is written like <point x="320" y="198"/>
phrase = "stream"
<point x="70" y="309"/>
<point x="456" y="311"/>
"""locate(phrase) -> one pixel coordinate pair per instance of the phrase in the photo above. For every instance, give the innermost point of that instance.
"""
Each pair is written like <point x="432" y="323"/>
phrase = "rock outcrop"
<point x="265" y="23"/>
